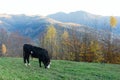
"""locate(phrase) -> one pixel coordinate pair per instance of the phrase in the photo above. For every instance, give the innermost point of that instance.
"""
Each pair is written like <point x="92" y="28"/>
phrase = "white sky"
<point x="45" y="7"/>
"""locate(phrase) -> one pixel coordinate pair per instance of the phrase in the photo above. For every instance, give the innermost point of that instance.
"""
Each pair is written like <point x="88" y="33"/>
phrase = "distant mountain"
<point x="33" y="26"/>
<point x="84" y="18"/>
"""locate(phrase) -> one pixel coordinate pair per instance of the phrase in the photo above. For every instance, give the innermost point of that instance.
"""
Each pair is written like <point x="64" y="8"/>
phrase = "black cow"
<point x="37" y="52"/>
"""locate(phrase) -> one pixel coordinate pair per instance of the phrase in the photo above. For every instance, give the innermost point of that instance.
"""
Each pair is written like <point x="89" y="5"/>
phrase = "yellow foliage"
<point x="51" y="33"/>
<point x="65" y="35"/>
<point x="65" y="39"/>
<point x="70" y="56"/>
<point x="4" y="50"/>
<point x="113" y="21"/>
<point x="50" y="41"/>
<point x="94" y="46"/>
<point x="50" y="36"/>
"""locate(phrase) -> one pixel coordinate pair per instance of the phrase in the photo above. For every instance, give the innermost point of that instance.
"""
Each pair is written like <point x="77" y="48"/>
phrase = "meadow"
<point x="14" y="69"/>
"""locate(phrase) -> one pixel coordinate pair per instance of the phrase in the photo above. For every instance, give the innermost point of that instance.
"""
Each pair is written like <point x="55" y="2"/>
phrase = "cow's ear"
<point x="31" y="52"/>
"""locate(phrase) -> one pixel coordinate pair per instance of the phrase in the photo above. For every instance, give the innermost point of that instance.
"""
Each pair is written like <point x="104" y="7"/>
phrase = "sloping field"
<point x="14" y="69"/>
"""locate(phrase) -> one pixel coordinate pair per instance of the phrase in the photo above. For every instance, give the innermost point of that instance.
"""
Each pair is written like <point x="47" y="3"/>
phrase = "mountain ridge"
<point x="30" y="25"/>
<point x="88" y="19"/>
<point x="33" y="26"/>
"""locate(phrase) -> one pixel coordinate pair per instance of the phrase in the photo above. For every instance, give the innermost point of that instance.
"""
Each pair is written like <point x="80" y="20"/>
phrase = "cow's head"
<point x="47" y="63"/>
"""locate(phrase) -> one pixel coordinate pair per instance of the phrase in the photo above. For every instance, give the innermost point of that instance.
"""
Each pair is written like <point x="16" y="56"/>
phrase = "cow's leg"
<point x="28" y="60"/>
<point x="40" y="63"/>
<point x="24" y="58"/>
<point x="25" y="61"/>
<point x="44" y="63"/>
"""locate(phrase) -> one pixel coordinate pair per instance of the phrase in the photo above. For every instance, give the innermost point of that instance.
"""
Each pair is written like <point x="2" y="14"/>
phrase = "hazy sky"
<point x="44" y="7"/>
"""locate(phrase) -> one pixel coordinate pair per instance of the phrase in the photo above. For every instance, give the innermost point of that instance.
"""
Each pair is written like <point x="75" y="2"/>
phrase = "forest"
<point x="68" y="44"/>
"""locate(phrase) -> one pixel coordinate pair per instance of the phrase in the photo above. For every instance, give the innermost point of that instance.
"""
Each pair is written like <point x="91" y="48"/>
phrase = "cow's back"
<point x="37" y="50"/>
<point x="40" y="52"/>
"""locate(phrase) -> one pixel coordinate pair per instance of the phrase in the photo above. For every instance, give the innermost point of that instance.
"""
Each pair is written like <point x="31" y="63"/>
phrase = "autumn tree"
<point x="3" y="41"/>
<point x="116" y="51"/>
<point x="85" y="45"/>
<point x="75" y="43"/>
<point x="4" y="49"/>
<point x="95" y="54"/>
<point x="113" y="23"/>
<point x="50" y="41"/>
<point x="66" y="46"/>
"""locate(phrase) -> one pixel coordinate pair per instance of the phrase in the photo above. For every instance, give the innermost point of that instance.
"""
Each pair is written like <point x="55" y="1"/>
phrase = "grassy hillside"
<point x="14" y="69"/>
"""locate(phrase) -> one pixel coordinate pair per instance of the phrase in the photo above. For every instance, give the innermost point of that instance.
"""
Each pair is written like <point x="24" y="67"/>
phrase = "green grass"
<point x="14" y="69"/>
